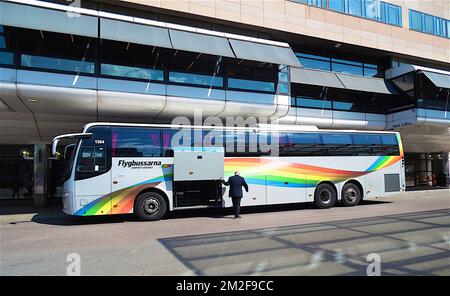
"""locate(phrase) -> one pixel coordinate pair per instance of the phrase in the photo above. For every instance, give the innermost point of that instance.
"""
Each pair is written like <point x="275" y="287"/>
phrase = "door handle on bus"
<point x="115" y="182"/>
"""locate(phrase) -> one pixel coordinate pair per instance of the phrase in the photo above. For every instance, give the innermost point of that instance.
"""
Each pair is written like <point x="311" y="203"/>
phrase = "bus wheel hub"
<point x="350" y="194"/>
<point x="325" y="196"/>
<point x="151" y="206"/>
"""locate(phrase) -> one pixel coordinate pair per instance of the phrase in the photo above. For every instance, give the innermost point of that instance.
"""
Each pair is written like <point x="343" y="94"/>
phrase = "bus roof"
<point x="267" y="128"/>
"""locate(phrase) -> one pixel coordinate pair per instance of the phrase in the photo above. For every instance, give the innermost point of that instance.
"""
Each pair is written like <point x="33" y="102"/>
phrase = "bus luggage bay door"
<point x="197" y="176"/>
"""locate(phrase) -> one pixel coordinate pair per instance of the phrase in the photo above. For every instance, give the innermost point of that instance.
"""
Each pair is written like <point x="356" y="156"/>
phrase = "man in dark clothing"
<point x="236" y="183"/>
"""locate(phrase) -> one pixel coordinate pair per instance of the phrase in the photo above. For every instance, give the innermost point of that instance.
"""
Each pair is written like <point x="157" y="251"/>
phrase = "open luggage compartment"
<point x="198" y="175"/>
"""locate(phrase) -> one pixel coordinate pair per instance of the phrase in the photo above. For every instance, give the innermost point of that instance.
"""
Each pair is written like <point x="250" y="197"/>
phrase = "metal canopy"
<point x="200" y="43"/>
<point x="440" y="80"/>
<point x="134" y="33"/>
<point x="315" y="77"/>
<point x="366" y="84"/>
<point x="264" y="53"/>
<point x="30" y="17"/>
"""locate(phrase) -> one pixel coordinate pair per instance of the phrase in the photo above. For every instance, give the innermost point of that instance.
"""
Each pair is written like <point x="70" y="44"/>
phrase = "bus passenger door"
<point x="93" y="175"/>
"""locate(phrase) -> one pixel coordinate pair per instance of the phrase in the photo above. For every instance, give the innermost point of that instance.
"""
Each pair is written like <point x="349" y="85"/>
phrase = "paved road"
<point x="410" y="233"/>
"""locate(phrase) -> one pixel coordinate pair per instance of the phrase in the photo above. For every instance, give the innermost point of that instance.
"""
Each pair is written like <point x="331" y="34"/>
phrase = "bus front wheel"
<point x="325" y="196"/>
<point x="150" y="206"/>
<point x="351" y="195"/>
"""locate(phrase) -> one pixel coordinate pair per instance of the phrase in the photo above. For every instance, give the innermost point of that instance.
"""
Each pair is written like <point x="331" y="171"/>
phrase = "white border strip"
<point x="121" y="17"/>
<point x="431" y="70"/>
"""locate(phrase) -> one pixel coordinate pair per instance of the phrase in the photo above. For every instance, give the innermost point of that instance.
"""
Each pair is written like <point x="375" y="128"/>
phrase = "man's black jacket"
<point x="236" y="183"/>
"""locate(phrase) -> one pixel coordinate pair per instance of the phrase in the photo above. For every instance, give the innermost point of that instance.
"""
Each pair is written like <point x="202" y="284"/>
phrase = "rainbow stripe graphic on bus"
<point x="120" y="201"/>
<point x="273" y="172"/>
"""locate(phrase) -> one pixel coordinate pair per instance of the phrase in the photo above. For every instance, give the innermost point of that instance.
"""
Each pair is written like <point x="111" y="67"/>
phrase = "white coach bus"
<point x="135" y="168"/>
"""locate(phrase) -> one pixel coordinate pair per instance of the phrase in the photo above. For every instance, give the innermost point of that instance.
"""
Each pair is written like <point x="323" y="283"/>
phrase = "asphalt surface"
<point x="409" y="233"/>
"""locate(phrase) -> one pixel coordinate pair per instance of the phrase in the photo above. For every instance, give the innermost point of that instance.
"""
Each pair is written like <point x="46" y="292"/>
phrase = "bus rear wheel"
<point x="351" y="195"/>
<point x="150" y="206"/>
<point x="325" y="196"/>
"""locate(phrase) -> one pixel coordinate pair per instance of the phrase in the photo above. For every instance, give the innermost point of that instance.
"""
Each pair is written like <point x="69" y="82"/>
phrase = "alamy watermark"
<point x="74" y="266"/>
<point x="243" y="135"/>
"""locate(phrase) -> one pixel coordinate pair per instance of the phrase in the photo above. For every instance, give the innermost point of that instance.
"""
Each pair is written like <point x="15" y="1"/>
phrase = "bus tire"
<point x="325" y="196"/>
<point x="351" y="195"/>
<point x="150" y="206"/>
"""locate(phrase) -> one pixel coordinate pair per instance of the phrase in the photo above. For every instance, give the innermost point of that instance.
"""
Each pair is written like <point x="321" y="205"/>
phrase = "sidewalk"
<point x="425" y="188"/>
<point x="16" y="211"/>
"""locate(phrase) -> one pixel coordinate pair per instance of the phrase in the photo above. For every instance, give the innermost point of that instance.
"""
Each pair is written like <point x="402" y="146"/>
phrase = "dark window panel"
<point x="6" y="58"/>
<point x="135" y="142"/>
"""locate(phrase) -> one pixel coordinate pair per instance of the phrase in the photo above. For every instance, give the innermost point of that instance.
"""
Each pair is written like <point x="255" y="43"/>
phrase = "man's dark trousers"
<point x="236" y="183"/>
<point x="236" y="206"/>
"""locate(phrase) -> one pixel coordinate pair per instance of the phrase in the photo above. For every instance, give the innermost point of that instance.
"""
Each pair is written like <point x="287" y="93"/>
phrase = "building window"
<point x="252" y="76"/>
<point x="55" y="51"/>
<point x="354" y="7"/>
<point x="415" y="20"/>
<point x="337" y="65"/>
<point x="320" y="98"/>
<point x="195" y="69"/>
<point x="57" y="64"/>
<point x="6" y="58"/>
<point x="6" y="54"/>
<point x="426" y="23"/>
<point x="131" y="61"/>
<point x="336" y="5"/>
<point x="370" y="9"/>
<point x="347" y="67"/>
<point x="309" y="102"/>
<point x="132" y="72"/>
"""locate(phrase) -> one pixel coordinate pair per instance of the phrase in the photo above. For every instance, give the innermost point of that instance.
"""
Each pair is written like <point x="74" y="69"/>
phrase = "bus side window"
<point x="304" y="144"/>
<point x="390" y="145"/>
<point x="337" y="144"/>
<point x="367" y="144"/>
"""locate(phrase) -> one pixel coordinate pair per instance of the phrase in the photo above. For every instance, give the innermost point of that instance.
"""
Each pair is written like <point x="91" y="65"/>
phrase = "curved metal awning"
<point x="340" y="80"/>
<point x="37" y="18"/>
<point x="134" y="33"/>
<point x="438" y="79"/>
<point x="267" y="53"/>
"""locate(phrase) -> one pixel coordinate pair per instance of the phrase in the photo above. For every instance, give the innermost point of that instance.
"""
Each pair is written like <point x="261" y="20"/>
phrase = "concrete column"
<point x="40" y="175"/>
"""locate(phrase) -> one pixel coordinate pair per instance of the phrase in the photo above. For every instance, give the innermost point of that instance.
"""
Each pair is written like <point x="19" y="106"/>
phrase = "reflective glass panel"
<point x="336" y="5"/>
<point x="347" y="69"/>
<point x="188" y="78"/>
<point x="415" y="20"/>
<point x="6" y="58"/>
<point x="428" y="24"/>
<point x="57" y="64"/>
<point x="132" y="72"/>
<point x="315" y="64"/>
<point x="251" y="85"/>
<point x="354" y="7"/>
<point x="313" y="103"/>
